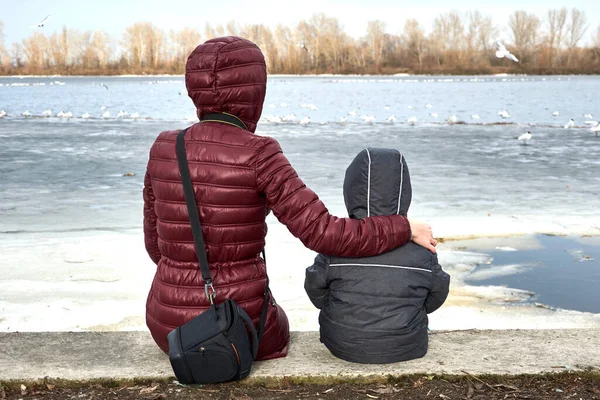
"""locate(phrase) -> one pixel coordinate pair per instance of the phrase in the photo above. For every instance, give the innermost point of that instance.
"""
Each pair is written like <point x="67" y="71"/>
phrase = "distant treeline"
<point x="459" y="43"/>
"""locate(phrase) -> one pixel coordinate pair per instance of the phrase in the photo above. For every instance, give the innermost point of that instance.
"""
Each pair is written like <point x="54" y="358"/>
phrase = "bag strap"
<point x="266" y="299"/>
<point x="192" y="207"/>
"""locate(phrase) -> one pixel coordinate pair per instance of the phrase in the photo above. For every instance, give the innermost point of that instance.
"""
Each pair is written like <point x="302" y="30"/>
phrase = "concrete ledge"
<point x="116" y="356"/>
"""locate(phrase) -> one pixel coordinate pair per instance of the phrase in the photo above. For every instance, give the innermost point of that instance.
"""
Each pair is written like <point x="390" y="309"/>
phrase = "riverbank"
<point x="548" y="386"/>
<point x="128" y="364"/>
<point x="518" y="71"/>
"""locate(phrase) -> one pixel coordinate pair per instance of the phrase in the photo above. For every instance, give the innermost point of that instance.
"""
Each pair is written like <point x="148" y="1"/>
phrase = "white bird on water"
<point x="368" y="118"/>
<point x="475" y="116"/>
<point x="428" y="106"/>
<point x="412" y="120"/>
<point x="106" y="114"/>
<point x="570" y="124"/>
<point x="122" y="114"/>
<point x="2" y="113"/>
<point x="452" y="119"/>
<point x="289" y="118"/>
<point x="596" y="129"/>
<point x="391" y="119"/>
<point x="352" y="113"/>
<point x="42" y="23"/>
<point x="342" y="120"/>
<point x="305" y="121"/>
<point x="504" y="114"/>
<point x="555" y="114"/>
<point x="274" y="120"/>
<point x="435" y="115"/>
<point x="27" y="114"/>
<point x="63" y="114"/>
<point x="588" y="116"/>
<point x="47" y="113"/>
<point x="525" y="138"/>
<point x="86" y="116"/>
<point x="135" y="115"/>
<point x="503" y="53"/>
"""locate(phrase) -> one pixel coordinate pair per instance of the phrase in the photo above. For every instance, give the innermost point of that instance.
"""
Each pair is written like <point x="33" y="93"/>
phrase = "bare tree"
<point x="263" y="37"/>
<point x="3" y="53"/>
<point x="290" y="53"/>
<point x="16" y="54"/>
<point x="182" y="44"/>
<point x="209" y="32"/>
<point x="376" y="36"/>
<point x="311" y="37"/>
<point x="144" y="44"/>
<point x="524" y="29"/>
<point x="133" y="42"/>
<point x="414" y="38"/>
<point x="232" y="28"/>
<point x="481" y="32"/>
<point x="100" y="44"/>
<point x="577" y="27"/>
<point x="340" y="43"/>
<point x="59" y="48"/>
<point x="448" y="36"/>
<point x="35" y="51"/>
<point x="319" y="45"/>
<point x="556" y="21"/>
<point x="575" y="31"/>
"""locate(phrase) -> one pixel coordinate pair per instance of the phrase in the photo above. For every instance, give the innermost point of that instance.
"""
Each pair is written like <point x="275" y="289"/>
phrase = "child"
<point x="374" y="309"/>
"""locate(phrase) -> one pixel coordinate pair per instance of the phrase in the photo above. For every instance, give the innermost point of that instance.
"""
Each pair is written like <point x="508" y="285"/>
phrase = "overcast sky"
<point x="114" y="16"/>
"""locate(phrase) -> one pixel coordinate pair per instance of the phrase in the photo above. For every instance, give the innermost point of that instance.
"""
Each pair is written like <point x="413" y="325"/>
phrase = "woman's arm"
<point x="307" y="218"/>
<point x="150" y="233"/>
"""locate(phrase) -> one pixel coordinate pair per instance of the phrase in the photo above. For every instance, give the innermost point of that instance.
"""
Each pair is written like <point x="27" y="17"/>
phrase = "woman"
<point x="238" y="178"/>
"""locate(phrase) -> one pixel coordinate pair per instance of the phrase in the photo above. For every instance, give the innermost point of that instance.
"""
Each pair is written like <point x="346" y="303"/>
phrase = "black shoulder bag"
<point x="215" y="346"/>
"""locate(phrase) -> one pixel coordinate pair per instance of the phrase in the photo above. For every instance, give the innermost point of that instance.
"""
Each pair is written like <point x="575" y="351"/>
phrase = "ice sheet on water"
<point x="495" y="271"/>
<point x="99" y="281"/>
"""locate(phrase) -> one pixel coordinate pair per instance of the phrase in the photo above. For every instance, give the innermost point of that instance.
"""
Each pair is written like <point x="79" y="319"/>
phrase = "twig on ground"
<point x="479" y="380"/>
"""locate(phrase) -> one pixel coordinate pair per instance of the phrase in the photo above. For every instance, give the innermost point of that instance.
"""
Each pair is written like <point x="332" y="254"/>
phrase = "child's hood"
<point x="377" y="182"/>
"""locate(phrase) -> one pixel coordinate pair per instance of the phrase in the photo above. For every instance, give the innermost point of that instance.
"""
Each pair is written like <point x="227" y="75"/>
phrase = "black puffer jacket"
<point x="374" y="309"/>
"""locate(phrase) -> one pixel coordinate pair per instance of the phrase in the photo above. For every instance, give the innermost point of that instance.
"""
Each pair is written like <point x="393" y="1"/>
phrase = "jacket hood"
<point x="227" y="74"/>
<point x="377" y="183"/>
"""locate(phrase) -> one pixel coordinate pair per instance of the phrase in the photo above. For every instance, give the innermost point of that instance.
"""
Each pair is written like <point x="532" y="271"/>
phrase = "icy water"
<point x="561" y="272"/>
<point x="71" y="250"/>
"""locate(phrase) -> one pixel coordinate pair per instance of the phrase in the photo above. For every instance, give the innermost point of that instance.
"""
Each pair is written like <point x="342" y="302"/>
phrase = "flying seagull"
<point x="104" y="85"/>
<point x="41" y="24"/>
<point x="503" y="53"/>
<point x="302" y="46"/>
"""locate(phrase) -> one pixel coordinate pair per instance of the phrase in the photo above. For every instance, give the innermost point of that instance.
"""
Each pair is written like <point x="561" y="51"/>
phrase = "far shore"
<point x="397" y="75"/>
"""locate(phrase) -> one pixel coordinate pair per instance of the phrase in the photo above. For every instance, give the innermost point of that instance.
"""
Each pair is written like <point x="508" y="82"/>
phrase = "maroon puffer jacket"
<point x="238" y="177"/>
